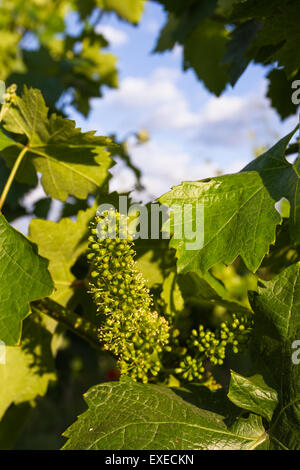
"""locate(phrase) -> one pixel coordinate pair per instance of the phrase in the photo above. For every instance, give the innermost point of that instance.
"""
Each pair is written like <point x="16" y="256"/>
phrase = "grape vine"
<point x="194" y="346"/>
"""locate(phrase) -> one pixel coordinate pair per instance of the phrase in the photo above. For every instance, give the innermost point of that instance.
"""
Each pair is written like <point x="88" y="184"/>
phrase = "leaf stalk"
<point x="12" y="176"/>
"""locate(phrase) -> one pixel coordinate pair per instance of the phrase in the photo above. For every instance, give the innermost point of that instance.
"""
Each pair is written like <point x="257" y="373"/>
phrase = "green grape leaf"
<point x="171" y="294"/>
<point x="9" y="432"/>
<point x="208" y="36"/>
<point x="8" y="53"/>
<point x="276" y="327"/>
<point x="220" y="44"/>
<point x="5" y="141"/>
<point x="129" y="10"/>
<point x="191" y="24"/>
<point x="279" y="92"/>
<point x="42" y="207"/>
<point x="83" y="75"/>
<point x="167" y="37"/>
<point x="62" y="243"/>
<point x="281" y="179"/>
<point x="252" y="426"/>
<point x="253" y="394"/>
<point x="128" y="415"/>
<point x="182" y="20"/>
<point x="215" y="401"/>
<point x="226" y="5"/>
<point x="282" y="254"/>
<point x="71" y="162"/>
<point x="240" y="217"/>
<point x="150" y="268"/>
<point x="208" y="291"/>
<point x="24" y="277"/>
<point x="28" y="368"/>
<point x="280" y="28"/>
<point x="237" y="47"/>
<point x="176" y="6"/>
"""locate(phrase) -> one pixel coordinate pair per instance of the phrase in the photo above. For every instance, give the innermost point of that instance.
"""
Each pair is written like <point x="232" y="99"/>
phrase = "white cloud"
<point x="184" y="132"/>
<point x="232" y="121"/>
<point x="223" y="108"/>
<point x="123" y="178"/>
<point x="164" y="165"/>
<point x="152" y="27"/>
<point x="177" y="51"/>
<point x="148" y="92"/>
<point x="115" y="36"/>
<point x="156" y="102"/>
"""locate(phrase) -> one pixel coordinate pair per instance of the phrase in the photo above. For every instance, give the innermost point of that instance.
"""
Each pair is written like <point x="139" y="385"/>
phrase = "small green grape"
<point x="211" y="345"/>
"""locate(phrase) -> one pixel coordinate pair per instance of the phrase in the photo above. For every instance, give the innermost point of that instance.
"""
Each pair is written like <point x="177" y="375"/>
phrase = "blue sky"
<point x="193" y="134"/>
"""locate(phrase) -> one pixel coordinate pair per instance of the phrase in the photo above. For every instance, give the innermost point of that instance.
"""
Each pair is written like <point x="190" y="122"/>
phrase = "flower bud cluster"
<point x="129" y="328"/>
<point x="10" y="95"/>
<point x="211" y="346"/>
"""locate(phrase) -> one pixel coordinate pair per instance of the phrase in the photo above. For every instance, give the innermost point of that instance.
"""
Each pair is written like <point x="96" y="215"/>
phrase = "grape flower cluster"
<point x="129" y="328"/>
<point x="10" y="98"/>
<point x="207" y="345"/>
<point x="10" y="95"/>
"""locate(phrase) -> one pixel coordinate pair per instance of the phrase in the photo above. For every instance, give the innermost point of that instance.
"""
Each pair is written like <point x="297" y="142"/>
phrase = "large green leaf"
<point x="235" y="33"/>
<point x="150" y="268"/>
<point x="130" y="10"/>
<point x="171" y="295"/>
<point x="62" y="243"/>
<point x="82" y="75"/>
<point x="209" y="36"/>
<point x="187" y="18"/>
<point x="71" y="162"/>
<point x="52" y="65"/>
<point x="5" y="141"/>
<point x="276" y="327"/>
<point x="23" y="277"/>
<point x="279" y="92"/>
<point x="128" y="415"/>
<point x="280" y="29"/>
<point x="240" y="40"/>
<point x="167" y="37"/>
<point x="8" y="57"/>
<point x="9" y="432"/>
<point x="28" y="368"/>
<point x="189" y="24"/>
<point x="281" y="179"/>
<point x="253" y="394"/>
<point x="240" y="217"/>
<point x="231" y="205"/>
<point x="208" y="291"/>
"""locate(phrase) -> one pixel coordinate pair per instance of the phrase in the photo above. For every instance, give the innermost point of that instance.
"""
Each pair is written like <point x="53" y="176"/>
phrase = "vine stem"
<point x="3" y="111"/>
<point x="12" y="176"/>
<point x="69" y="319"/>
